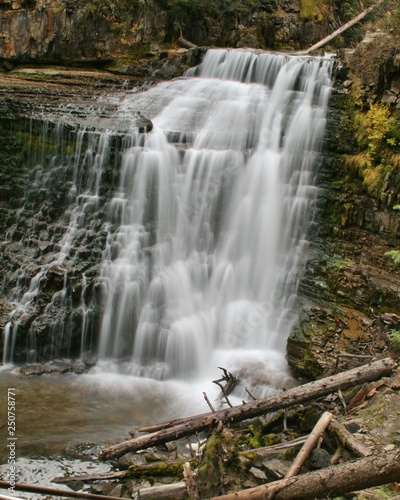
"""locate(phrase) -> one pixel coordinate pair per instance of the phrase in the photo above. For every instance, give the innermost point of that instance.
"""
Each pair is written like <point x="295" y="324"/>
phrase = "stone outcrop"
<point x="120" y="35"/>
<point x="351" y="289"/>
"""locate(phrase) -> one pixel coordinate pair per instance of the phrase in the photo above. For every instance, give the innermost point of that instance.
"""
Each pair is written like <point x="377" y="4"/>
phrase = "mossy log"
<point x="155" y="469"/>
<point x="382" y="468"/>
<point x="296" y="395"/>
<point x="173" y="468"/>
<point x="348" y="440"/>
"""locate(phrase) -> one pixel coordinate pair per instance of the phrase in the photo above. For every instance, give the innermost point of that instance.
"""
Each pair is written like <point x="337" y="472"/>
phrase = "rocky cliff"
<point x="350" y="292"/>
<point x="117" y="34"/>
<point x="351" y="288"/>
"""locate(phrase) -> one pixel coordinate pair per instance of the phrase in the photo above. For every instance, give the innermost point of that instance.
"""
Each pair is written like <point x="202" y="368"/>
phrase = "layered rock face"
<point x="70" y="32"/>
<point x="351" y="289"/>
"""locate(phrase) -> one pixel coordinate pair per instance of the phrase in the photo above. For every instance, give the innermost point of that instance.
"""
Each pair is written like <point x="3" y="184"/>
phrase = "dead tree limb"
<point x="43" y="490"/>
<point x="310" y="443"/>
<point x="382" y="468"/>
<point x="230" y="383"/>
<point x="208" y="402"/>
<point x="348" y="440"/>
<point x="191" y="486"/>
<point x="90" y="477"/>
<point x="343" y="28"/>
<point x="265" y="450"/>
<point x="173" y="491"/>
<point x="165" y="425"/>
<point x="182" y="42"/>
<point x="291" y="397"/>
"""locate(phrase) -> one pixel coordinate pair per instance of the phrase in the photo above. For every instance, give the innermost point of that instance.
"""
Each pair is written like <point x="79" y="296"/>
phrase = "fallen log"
<point x="348" y="440"/>
<point x="291" y="397"/>
<point x="44" y="490"/>
<point x="101" y="476"/>
<point x="344" y="28"/>
<point x="333" y="481"/>
<point x="267" y="450"/>
<point x="165" y="425"/>
<point x="310" y="443"/>
<point x="182" y="42"/>
<point x="173" y="491"/>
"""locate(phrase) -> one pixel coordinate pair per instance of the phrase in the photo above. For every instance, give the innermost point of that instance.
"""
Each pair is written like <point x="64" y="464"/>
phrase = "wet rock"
<point x="276" y="468"/>
<point x="75" y="485"/>
<point x="143" y="124"/>
<point x="89" y="359"/>
<point x="84" y="451"/>
<point x="129" y="459"/>
<point x="258" y="475"/>
<point x="319" y="458"/>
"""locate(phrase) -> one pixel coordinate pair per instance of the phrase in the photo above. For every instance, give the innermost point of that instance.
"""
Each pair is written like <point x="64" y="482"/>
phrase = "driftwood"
<point x="343" y="28"/>
<point x="267" y="450"/>
<point x="348" y="440"/>
<point x="191" y="486"/>
<point x="43" y="490"/>
<point x="382" y="468"/>
<point x="208" y="402"/>
<point x="173" y="491"/>
<point x="182" y="42"/>
<point x="165" y="425"/>
<point x="230" y="382"/>
<point x="310" y="443"/>
<point x="291" y="397"/>
<point x="101" y="476"/>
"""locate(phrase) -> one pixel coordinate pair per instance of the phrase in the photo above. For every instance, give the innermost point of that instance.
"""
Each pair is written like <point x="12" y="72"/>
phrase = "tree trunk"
<point x="44" y="490"/>
<point x="310" y="443"/>
<point x="182" y="42"/>
<point x="348" y="440"/>
<point x="343" y="28"/>
<point x="382" y="468"/>
<point x="296" y="395"/>
<point x="173" y="491"/>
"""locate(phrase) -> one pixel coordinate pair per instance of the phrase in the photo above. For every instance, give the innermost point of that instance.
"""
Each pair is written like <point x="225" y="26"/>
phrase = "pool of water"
<point x="63" y="421"/>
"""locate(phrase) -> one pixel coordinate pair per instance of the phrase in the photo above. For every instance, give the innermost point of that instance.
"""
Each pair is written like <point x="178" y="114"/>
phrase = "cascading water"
<point x="212" y="239"/>
<point x="204" y="238"/>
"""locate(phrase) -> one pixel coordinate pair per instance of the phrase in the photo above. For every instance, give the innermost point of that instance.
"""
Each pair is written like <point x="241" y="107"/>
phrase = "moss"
<point x="172" y="469"/>
<point x="312" y="10"/>
<point x="220" y="468"/>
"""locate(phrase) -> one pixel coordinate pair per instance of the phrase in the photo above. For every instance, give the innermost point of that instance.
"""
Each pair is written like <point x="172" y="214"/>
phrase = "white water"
<point x="207" y="232"/>
<point x="204" y="268"/>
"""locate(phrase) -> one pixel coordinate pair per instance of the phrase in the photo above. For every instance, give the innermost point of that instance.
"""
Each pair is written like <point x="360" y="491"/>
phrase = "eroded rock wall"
<point x="118" y="33"/>
<point x="351" y="290"/>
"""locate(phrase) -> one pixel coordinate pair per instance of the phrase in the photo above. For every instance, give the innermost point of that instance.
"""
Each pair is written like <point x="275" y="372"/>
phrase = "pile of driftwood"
<point x="368" y="470"/>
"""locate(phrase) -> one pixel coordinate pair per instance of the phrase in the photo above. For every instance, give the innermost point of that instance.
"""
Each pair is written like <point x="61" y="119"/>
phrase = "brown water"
<point x="62" y="421"/>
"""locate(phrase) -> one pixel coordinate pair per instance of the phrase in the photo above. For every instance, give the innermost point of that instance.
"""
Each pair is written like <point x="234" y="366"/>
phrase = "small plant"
<point x="394" y="254"/>
<point x="394" y="337"/>
<point x="310" y="10"/>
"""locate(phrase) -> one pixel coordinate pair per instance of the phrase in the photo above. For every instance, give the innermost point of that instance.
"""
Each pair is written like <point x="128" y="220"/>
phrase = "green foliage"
<point x="377" y="133"/>
<point x="394" y="254"/>
<point x="338" y="262"/>
<point x="349" y="9"/>
<point x="394" y="336"/>
<point x="312" y="10"/>
<point x="387" y="17"/>
<point x="376" y="128"/>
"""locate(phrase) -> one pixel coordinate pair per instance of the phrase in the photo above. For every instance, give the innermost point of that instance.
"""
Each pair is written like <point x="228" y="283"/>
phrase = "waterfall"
<point x="212" y="234"/>
<point x="200" y="246"/>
